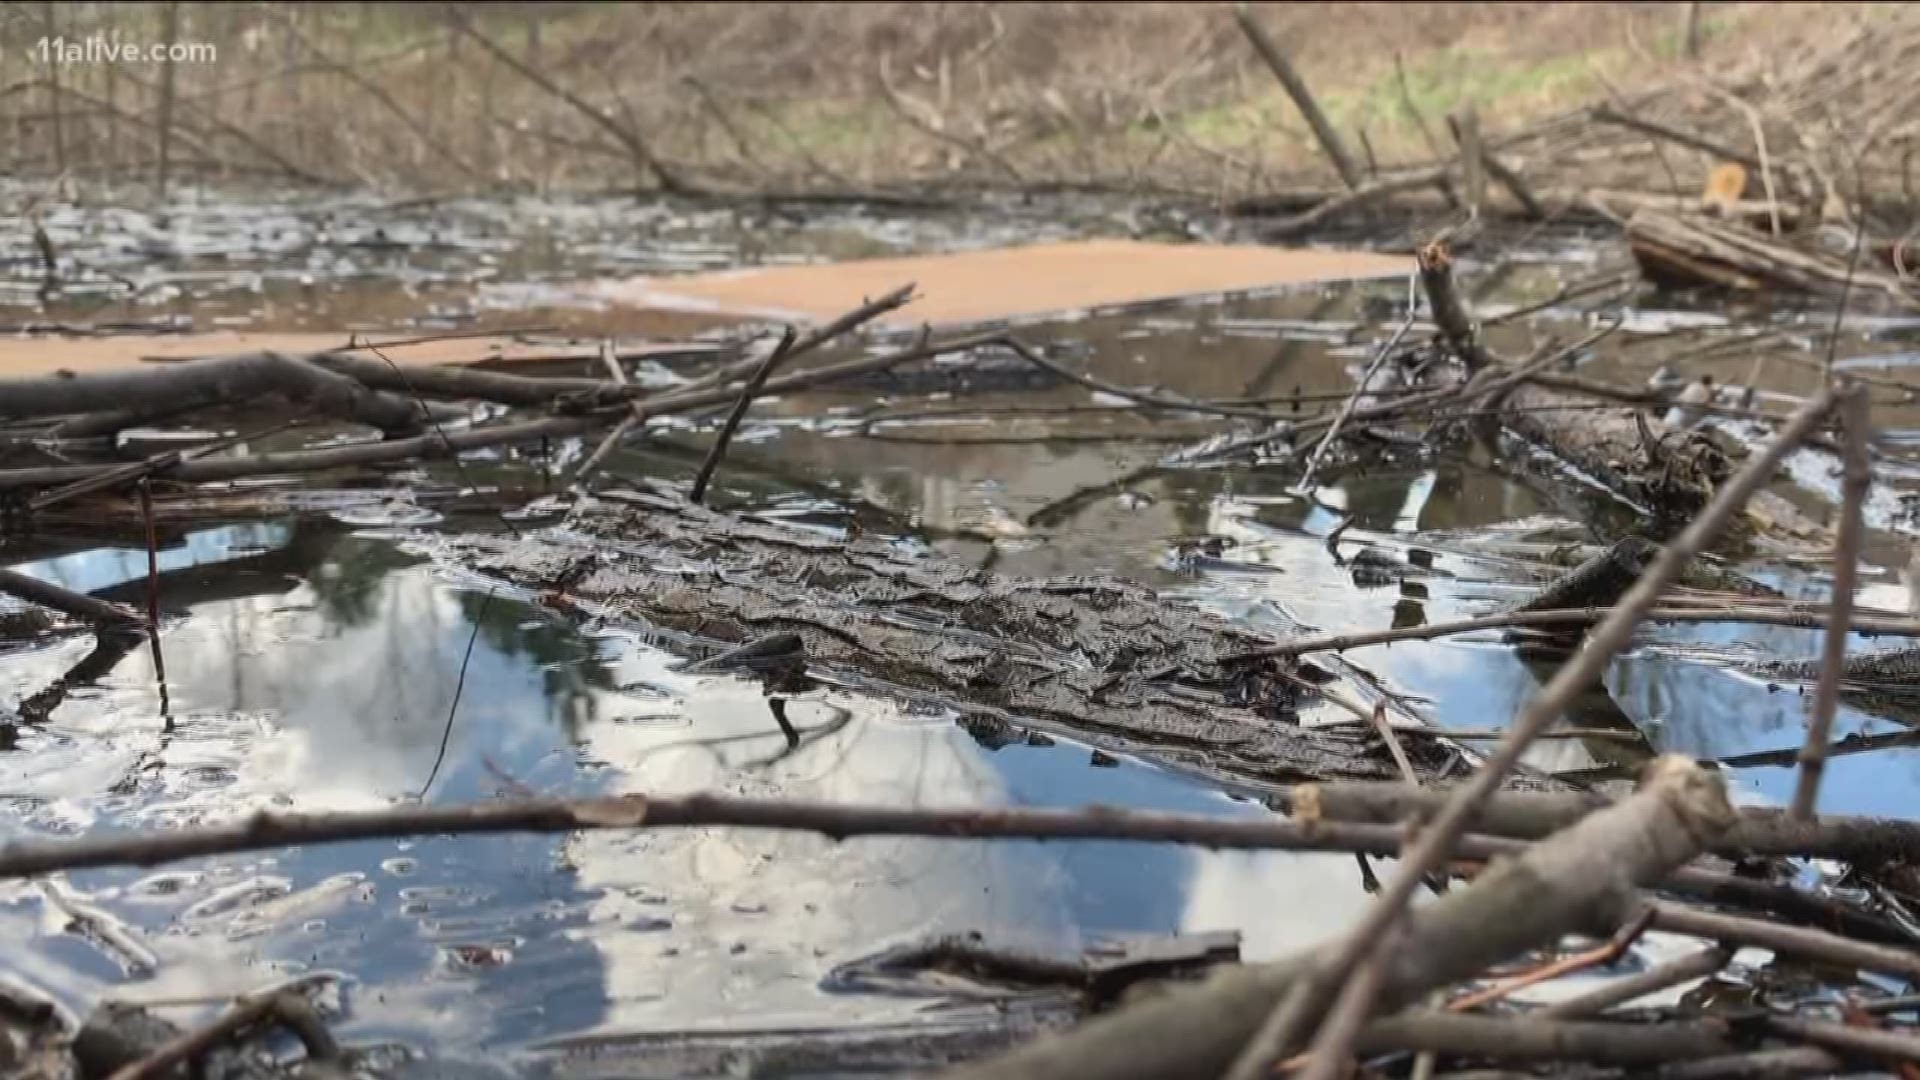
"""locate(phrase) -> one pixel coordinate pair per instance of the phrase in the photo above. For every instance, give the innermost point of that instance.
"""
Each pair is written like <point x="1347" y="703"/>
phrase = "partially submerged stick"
<point x="200" y="383"/>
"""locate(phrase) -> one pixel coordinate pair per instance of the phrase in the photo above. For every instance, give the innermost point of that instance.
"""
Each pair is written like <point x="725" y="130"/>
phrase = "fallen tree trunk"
<point x="202" y="383"/>
<point x="1085" y="655"/>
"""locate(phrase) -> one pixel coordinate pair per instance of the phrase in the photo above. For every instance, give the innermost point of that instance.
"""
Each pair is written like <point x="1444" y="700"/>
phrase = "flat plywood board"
<point x="1006" y="284"/>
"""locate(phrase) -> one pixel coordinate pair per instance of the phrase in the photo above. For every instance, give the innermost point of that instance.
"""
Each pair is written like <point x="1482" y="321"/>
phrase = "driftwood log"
<point x="1096" y="657"/>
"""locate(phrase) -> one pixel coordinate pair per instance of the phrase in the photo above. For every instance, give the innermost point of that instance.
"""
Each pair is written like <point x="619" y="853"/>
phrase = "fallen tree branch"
<point x="266" y="830"/>
<point x="209" y="382"/>
<point x="1792" y="615"/>
<point x="1529" y="1038"/>
<point x="1350" y="1011"/>
<point x="1604" y="114"/>
<point x="1754" y="1065"/>
<point x="1796" y="941"/>
<point x="1863" y="841"/>
<point x="1579" y="879"/>
<point x="435" y="444"/>
<point x="1872" y="1042"/>
<point x="456" y="381"/>
<point x="1697" y="965"/>
<point x="1365" y="195"/>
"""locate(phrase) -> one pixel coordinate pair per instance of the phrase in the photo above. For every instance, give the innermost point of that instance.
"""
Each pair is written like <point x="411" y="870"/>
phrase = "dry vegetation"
<point x="845" y="97"/>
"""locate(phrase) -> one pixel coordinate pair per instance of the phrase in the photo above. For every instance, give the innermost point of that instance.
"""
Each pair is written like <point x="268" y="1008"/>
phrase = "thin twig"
<point x="1359" y="390"/>
<point x="459" y="685"/>
<point x="1796" y="616"/>
<point x="1856" y="476"/>
<point x="698" y="493"/>
<point x="611" y="360"/>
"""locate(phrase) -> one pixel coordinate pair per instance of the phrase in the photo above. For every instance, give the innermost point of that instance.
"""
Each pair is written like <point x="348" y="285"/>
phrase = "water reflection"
<point x="319" y="671"/>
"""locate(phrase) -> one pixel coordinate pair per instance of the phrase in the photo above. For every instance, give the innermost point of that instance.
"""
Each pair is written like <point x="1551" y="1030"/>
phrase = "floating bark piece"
<point x="1082" y="654"/>
<point x="1598" y="581"/>
<point x="210" y="382"/>
<point x="1691" y="252"/>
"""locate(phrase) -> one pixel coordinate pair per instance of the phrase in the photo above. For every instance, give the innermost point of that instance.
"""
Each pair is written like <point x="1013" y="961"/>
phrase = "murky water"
<point x="315" y="661"/>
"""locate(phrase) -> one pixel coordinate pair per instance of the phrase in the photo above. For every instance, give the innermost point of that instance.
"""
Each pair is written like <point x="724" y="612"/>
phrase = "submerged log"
<point x="1096" y="657"/>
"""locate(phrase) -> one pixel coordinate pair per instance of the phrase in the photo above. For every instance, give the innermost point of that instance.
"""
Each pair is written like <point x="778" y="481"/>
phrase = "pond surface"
<point x="316" y="657"/>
